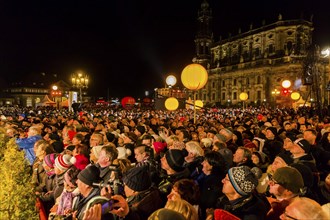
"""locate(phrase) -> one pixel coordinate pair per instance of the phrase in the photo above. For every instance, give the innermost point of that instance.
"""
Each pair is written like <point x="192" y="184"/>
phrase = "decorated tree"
<point x="17" y="198"/>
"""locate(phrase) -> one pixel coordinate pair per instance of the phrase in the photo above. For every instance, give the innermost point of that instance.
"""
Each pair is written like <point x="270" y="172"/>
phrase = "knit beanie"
<point x="49" y="159"/>
<point x="243" y="180"/>
<point x="292" y="136"/>
<point x="285" y="157"/>
<point x="138" y="179"/>
<point x="175" y="159"/>
<point x="90" y="175"/>
<point x="64" y="161"/>
<point x="81" y="161"/>
<point x="304" y="144"/>
<point x="273" y="130"/>
<point x="306" y="174"/>
<point x="290" y="178"/>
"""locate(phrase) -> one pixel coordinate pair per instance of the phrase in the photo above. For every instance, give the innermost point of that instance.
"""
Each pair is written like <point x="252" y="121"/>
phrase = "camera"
<point x="116" y="185"/>
<point x="106" y="204"/>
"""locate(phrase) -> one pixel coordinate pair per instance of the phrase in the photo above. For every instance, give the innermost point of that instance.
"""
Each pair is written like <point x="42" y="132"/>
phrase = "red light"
<point x="285" y="91"/>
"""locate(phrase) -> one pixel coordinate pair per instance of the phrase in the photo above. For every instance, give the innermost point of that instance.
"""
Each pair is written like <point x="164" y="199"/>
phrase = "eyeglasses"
<point x="272" y="181"/>
<point x="288" y="216"/>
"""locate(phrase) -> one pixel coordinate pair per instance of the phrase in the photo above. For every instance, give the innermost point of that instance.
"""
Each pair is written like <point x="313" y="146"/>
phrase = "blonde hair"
<point x="194" y="148"/>
<point x="306" y="208"/>
<point x="183" y="207"/>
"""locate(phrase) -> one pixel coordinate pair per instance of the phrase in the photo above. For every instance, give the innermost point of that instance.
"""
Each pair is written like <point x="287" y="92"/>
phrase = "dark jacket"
<point x="80" y="203"/>
<point x="210" y="190"/>
<point x="250" y="207"/>
<point x="144" y="204"/>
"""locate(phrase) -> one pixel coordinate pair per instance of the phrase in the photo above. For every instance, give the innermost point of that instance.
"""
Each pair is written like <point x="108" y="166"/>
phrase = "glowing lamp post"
<point x="80" y="82"/>
<point x="243" y="96"/>
<point x="56" y="93"/>
<point x="194" y="77"/>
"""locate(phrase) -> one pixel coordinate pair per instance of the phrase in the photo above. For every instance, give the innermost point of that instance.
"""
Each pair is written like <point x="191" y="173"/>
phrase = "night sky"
<point x="126" y="46"/>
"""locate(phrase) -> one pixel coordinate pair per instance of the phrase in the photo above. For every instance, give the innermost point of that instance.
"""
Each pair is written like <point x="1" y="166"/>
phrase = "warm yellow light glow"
<point x="199" y="104"/>
<point x="286" y="84"/>
<point x="194" y="77"/>
<point x="295" y="96"/>
<point x="171" y="80"/>
<point x="171" y="104"/>
<point x="243" y="96"/>
<point x="55" y="87"/>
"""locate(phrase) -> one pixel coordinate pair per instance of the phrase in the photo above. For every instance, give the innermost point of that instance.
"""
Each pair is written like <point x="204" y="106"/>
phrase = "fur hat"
<point x="123" y="152"/>
<point x="138" y="179"/>
<point x="243" y="180"/>
<point x="89" y="175"/>
<point x="303" y="144"/>
<point x="290" y="178"/>
<point x="175" y="159"/>
<point x="64" y="161"/>
<point x="273" y="130"/>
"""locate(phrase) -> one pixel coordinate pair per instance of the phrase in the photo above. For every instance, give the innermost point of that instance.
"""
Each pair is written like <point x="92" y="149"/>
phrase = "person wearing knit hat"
<point x="173" y="160"/>
<point x="273" y="130"/>
<point x="286" y="184"/>
<point x="283" y="159"/>
<point x="48" y="163"/>
<point x="89" y="175"/>
<point x="243" y="180"/>
<point x="63" y="162"/>
<point x="303" y="144"/>
<point x="137" y="179"/>
<point x="239" y="199"/>
<point x="86" y="178"/>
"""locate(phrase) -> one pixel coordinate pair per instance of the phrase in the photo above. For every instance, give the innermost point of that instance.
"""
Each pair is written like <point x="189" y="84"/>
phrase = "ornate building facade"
<point x="258" y="61"/>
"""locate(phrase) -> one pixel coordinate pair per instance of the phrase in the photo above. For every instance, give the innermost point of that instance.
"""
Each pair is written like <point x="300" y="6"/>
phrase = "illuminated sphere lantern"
<point x="171" y="104"/>
<point x="171" y="80"/>
<point x="295" y="96"/>
<point x="243" y="96"/>
<point x="194" y="76"/>
<point x="127" y="101"/>
<point x="199" y="104"/>
<point x="286" y="84"/>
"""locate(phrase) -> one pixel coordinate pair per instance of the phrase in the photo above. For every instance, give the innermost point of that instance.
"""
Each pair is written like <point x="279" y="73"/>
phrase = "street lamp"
<point x="55" y="94"/>
<point x="275" y="93"/>
<point x="80" y="82"/>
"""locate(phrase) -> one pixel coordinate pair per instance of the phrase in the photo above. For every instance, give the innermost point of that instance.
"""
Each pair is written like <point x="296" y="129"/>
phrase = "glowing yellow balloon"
<point x="194" y="76"/>
<point x="295" y="96"/>
<point x="199" y="104"/>
<point x="243" y="96"/>
<point x="171" y="104"/>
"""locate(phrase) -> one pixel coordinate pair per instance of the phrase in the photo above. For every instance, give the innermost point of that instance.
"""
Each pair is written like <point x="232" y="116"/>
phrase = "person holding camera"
<point x="86" y="178"/>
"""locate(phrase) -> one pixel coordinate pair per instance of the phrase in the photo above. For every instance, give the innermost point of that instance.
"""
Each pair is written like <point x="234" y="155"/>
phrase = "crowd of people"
<point x="104" y="163"/>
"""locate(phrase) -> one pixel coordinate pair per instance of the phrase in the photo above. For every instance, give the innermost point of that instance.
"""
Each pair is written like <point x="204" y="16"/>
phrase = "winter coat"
<point x="249" y="207"/>
<point x="27" y="145"/>
<point x="80" y="202"/>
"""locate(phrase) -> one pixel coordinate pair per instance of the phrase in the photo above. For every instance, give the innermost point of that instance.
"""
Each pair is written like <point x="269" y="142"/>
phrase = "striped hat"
<point x="49" y="160"/>
<point x="64" y="162"/>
